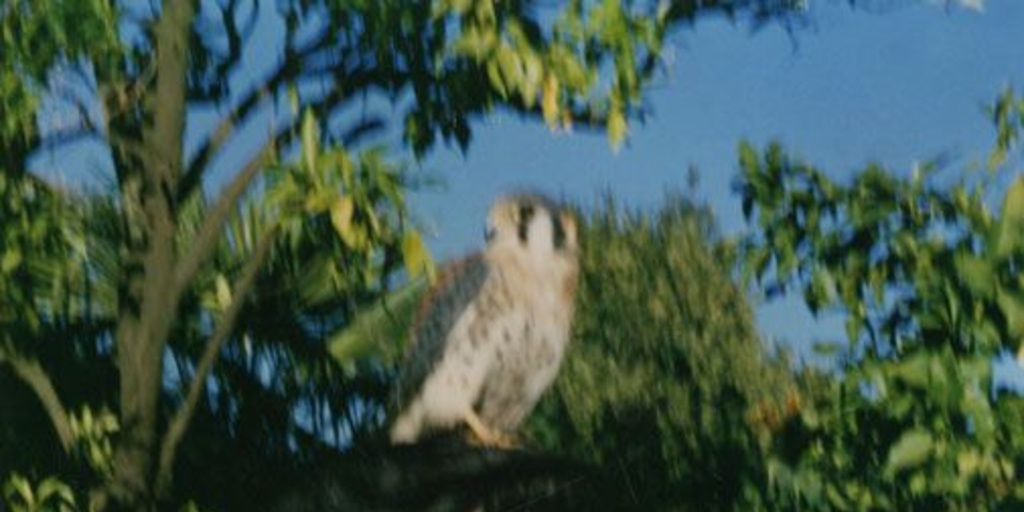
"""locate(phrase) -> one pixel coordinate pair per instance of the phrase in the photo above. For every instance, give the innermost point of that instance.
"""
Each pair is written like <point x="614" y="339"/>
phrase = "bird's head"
<point x="534" y="223"/>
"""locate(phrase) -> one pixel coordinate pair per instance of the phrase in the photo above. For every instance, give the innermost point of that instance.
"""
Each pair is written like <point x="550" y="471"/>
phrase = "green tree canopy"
<point x="928" y="280"/>
<point x="667" y="379"/>
<point x="204" y="279"/>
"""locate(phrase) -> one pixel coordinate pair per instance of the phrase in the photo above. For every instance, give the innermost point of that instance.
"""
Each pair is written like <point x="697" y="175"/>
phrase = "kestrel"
<point x="491" y="334"/>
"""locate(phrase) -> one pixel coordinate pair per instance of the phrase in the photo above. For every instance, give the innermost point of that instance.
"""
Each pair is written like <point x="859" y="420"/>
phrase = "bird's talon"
<point x="485" y="436"/>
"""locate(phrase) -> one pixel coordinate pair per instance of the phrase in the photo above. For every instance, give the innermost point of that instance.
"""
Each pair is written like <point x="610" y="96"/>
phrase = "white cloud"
<point x="977" y="5"/>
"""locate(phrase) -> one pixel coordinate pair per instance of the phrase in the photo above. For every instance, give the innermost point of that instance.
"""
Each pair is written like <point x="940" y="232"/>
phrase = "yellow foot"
<point x="485" y="436"/>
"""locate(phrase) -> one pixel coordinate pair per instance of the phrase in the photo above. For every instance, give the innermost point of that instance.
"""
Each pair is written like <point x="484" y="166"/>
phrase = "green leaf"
<point x="977" y="274"/>
<point x="476" y="42"/>
<point x="460" y="6"/>
<point x="293" y="98"/>
<point x="1012" y="306"/>
<point x="617" y="128"/>
<point x="549" y="101"/>
<point x="749" y="161"/>
<point x="51" y="488"/>
<point x="1010" y="238"/>
<point x="533" y="70"/>
<point x="416" y="256"/>
<point x="320" y="199"/>
<point x="309" y="136"/>
<point x="918" y="484"/>
<point x="976" y="406"/>
<point x="380" y="329"/>
<point x="822" y="290"/>
<point x="19" y="487"/>
<point x="494" y="76"/>
<point x="914" y="370"/>
<point x="835" y="498"/>
<point x="11" y="259"/>
<point x="511" y="66"/>
<point x="968" y="462"/>
<point x="912" y="449"/>
<point x="853" y="327"/>
<point x="826" y="348"/>
<point x="341" y="218"/>
<point x="223" y="294"/>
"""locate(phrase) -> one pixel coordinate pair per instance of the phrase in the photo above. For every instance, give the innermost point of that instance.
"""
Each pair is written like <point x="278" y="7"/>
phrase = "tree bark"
<point x="146" y="309"/>
<point x="33" y="374"/>
<point x="178" y="424"/>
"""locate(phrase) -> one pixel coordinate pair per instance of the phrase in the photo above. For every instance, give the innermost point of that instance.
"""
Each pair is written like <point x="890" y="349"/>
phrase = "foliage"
<point x="51" y="311"/>
<point x="1007" y="114"/>
<point x="50" y="495"/>
<point x="43" y="255"/>
<point x="666" y="375"/>
<point x="193" y="293"/>
<point x="279" y="366"/>
<point x="928" y="280"/>
<point x="36" y="39"/>
<point x="93" y="432"/>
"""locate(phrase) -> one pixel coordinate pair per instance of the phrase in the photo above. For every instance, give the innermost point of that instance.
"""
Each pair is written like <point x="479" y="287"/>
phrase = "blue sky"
<point x="897" y="86"/>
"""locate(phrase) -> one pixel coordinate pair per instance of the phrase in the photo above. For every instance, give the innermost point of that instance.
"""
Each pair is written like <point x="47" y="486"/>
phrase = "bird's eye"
<point x="526" y="212"/>
<point x="558" y="230"/>
<point x="488" y="233"/>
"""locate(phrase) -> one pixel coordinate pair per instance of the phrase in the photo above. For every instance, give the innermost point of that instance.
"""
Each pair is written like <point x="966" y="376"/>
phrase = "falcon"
<point x="490" y="336"/>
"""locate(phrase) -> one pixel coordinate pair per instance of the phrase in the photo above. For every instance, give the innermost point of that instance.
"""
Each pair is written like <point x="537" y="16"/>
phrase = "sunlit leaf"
<point x="549" y="102"/>
<point x="19" y="487"/>
<point x="342" y="213"/>
<point x="827" y="348"/>
<point x="379" y="329"/>
<point x="416" y="256"/>
<point x="1011" y="226"/>
<point x="533" y="74"/>
<point x="977" y="274"/>
<point x="616" y="128"/>
<point x="223" y="294"/>
<point x="1012" y="306"/>
<point x="912" y="449"/>
<point x="52" y="488"/>
<point x="310" y="138"/>
<point x="10" y="260"/>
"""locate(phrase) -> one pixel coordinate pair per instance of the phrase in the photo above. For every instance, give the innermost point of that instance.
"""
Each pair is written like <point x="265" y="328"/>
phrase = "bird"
<point x="491" y="333"/>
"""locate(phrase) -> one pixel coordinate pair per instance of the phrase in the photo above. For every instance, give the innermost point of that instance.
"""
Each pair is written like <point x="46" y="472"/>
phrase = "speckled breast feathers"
<point x="492" y="333"/>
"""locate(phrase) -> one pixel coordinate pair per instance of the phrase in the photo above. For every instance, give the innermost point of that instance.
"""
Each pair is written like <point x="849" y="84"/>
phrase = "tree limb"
<point x="290" y="69"/>
<point x="180" y="422"/>
<point x="202" y="247"/>
<point x="213" y="143"/>
<point x="146" y="311"/>
<point x="57" y="139"/>
<point x="30" y="371"/>
<point x="213" y="88"/>
<point x="209" y="232"/>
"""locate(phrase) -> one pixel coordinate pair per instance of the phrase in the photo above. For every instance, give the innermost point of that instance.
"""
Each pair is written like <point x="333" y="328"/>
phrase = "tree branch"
<point x="202" y="247"/>
<point x="207" y="235"/>
<point x="209" y="232"/>
<point x="180" y="422"/>
<point x="30" y="371"/>
<point x="58" y="139"/>
<point x="146" y="311"/>
<point x="290" y="69"/>
<point x="223" y="131"/>
<point x="214" y="88"/>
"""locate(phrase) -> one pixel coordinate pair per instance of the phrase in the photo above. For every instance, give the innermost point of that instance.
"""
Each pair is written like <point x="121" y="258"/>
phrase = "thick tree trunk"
<point x="148" y="304"/>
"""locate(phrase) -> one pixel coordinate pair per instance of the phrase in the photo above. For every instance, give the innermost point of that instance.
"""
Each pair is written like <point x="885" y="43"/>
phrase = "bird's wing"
<point x="457" y="287"/>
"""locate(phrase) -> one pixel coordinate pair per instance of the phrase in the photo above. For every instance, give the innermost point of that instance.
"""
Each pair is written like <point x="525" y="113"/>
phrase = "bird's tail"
<point x="406" y="428"/>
